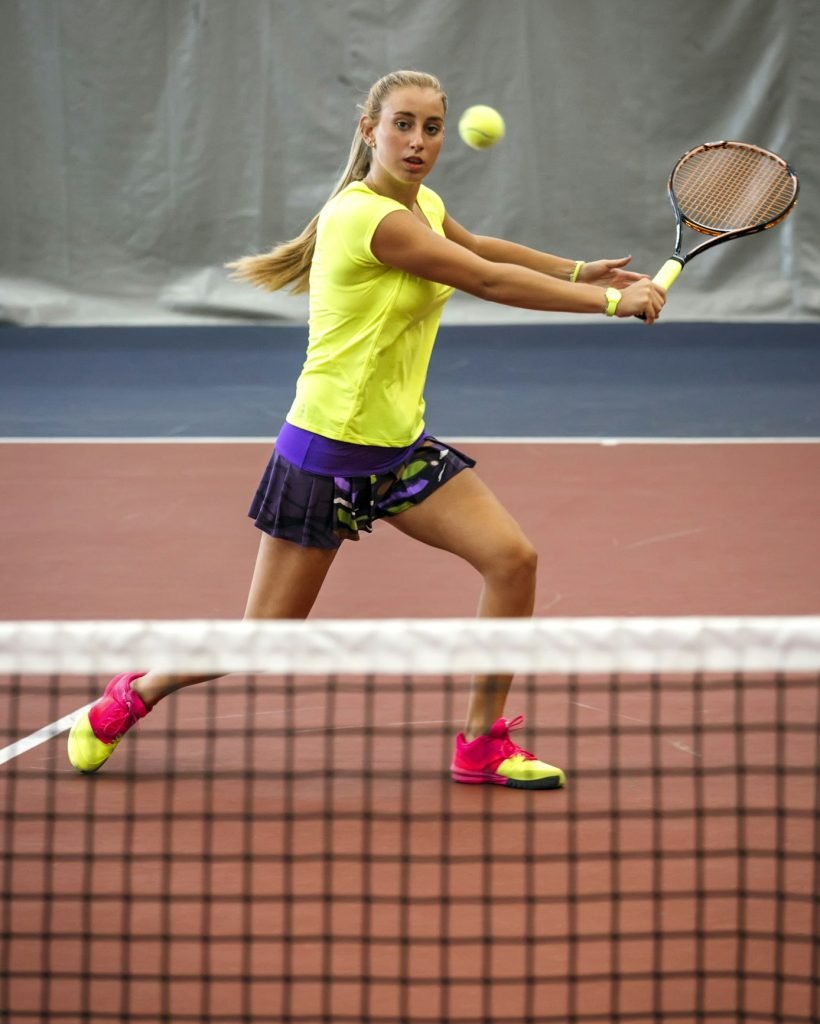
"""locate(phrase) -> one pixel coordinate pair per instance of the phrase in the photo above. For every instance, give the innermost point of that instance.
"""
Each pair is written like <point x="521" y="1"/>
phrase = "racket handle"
<point x="666" y="276"/>
<point x="668" y="273"/>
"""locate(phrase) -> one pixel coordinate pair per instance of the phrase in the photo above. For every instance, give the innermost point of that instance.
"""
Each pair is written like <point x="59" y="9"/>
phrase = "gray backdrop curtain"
<point x="147" y="142"/>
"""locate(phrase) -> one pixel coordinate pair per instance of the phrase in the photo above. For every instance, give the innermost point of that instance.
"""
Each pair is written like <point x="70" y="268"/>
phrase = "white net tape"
<point x="417" y="646"/>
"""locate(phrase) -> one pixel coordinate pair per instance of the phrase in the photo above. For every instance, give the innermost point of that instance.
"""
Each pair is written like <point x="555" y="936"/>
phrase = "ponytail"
<point x="289" y="262"/>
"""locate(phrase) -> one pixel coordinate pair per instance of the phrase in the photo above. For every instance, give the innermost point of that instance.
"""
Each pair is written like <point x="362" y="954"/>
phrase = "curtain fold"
<point x="147" y="142"/>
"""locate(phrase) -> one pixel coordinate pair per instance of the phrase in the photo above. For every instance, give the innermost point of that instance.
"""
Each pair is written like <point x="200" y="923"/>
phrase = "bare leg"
<point x="465" y="518"/>
<point x="286" y="581"/>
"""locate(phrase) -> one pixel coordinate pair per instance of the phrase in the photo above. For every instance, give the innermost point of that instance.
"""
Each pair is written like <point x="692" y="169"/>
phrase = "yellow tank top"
<point x="372" y="328"/>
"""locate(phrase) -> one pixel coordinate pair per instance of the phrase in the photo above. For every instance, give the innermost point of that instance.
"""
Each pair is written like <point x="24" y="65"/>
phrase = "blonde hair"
<point x="288" y="263"/>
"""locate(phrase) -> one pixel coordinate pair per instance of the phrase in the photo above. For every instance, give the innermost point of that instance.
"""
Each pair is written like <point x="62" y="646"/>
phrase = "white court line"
<point x="48" y="732"/>
<point x="467" y="439"/>
<point x="358" y="725"/>
<point x="256" y="714"/>
<point x="677" y="744"/>
<point x="662" y="537"/>
<point x="53" y="729"/>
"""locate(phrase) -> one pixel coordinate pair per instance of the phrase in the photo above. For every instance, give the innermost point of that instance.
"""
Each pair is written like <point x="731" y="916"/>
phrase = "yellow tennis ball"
<point x="481" y="127"/>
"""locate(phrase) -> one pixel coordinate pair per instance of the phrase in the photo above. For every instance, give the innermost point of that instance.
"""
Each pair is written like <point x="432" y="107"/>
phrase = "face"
<point x="409" y="133"/>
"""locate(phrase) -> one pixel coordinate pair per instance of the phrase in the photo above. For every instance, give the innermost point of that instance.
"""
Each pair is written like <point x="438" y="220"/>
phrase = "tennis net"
<point x="286" y="844"/>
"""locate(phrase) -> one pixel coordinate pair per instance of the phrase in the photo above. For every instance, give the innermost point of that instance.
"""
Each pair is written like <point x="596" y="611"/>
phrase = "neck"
<point x="403" y="192"/>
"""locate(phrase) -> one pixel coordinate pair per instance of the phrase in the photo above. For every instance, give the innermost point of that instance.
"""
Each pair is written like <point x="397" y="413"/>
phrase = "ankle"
<point x="141" y="686"/>
<point x="471" y="733"/>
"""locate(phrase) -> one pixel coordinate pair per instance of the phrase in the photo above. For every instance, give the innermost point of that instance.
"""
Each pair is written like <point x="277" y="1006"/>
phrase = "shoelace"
<point x="509" y="746"/>
<point x="118" y="718"/>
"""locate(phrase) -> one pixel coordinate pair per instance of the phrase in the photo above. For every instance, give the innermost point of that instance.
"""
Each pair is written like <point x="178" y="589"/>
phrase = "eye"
<point x="401" y="124"/>
<point x="433" y="129"/>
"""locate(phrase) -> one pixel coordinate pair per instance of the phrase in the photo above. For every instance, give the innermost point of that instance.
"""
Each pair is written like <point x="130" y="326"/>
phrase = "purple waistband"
<point x="326" y="457"/>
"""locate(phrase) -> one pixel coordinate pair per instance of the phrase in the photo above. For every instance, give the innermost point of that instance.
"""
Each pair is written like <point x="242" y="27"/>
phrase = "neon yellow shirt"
<point x="372" y="328"/>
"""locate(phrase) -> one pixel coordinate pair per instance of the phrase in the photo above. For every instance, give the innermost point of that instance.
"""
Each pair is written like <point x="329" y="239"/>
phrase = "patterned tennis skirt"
<point x="322" y="511"/>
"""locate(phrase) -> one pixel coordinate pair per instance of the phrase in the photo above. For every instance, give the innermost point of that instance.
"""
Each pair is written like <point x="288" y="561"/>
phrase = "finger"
<point x="651" y="311"/>
<point x="615" y="265"/>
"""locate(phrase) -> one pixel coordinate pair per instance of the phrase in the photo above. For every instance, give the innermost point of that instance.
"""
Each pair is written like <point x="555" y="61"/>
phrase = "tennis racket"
<point x="726" y="190"/>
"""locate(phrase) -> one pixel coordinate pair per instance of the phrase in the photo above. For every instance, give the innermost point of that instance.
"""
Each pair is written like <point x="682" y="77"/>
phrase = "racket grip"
<point x="666" y="276"/>
<point x="668" y="273"/>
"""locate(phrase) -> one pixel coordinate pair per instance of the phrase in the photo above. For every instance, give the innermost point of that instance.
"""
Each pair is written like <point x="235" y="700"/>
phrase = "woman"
<point x="380" y="261"/>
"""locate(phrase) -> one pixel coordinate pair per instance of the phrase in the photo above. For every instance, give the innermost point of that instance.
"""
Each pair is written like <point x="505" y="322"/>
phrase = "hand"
<point x="644" y="298"/>
<point x="610" y="273"/>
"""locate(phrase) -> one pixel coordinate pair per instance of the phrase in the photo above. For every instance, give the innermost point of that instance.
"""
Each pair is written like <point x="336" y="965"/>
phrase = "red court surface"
<point x="159" y="531"/>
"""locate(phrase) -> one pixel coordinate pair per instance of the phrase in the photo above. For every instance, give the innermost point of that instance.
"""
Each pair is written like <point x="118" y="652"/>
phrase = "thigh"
<point x="287" y="579"/>
<point x="465" y="518"/>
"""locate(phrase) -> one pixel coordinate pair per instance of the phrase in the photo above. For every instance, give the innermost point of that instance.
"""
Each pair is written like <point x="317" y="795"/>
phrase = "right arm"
<point x="403" y="242"/>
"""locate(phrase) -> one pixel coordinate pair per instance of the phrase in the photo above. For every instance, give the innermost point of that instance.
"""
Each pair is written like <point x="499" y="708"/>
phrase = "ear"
<point x="366" y="129"/>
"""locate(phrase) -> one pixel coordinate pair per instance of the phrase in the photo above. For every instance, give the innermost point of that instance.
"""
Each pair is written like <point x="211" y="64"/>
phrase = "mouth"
<point x="414" y="161"/>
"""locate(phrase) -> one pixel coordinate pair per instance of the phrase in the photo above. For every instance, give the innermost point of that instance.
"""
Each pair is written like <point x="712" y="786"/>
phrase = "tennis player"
<point x="380" y="260"/>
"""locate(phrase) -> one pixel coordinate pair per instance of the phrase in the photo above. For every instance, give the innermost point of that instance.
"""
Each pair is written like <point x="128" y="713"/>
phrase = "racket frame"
<point x="675" y="264"/>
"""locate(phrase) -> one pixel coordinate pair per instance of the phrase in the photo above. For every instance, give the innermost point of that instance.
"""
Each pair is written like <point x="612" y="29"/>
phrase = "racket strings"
<point x="732" y="187"/>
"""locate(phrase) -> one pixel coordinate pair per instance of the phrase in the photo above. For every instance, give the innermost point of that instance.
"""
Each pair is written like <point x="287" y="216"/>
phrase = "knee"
<point x="516" y="562"/>
<point x="527" y="559"/>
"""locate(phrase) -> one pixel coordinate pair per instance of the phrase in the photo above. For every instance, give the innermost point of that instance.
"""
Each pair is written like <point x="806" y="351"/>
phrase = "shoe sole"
<point x="481" y="778"/>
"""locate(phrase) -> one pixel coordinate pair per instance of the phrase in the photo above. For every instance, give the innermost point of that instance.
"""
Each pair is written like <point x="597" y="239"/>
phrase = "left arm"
<point x="499" y="250"/>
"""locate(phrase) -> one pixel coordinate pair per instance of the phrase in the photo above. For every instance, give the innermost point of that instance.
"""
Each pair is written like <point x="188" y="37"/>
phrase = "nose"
<point x="417" y="142"/>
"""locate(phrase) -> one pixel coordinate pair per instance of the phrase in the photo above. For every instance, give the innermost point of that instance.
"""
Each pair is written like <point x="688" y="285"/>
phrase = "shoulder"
<point x="356" y="199"/>
<point x="432" y="206"/>
<point x="349" y="220"/>
<point x="427" y="197"/>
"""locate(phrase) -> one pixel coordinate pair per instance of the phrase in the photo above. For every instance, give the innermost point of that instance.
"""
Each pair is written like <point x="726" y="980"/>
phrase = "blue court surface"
<point x="614" y="379"/>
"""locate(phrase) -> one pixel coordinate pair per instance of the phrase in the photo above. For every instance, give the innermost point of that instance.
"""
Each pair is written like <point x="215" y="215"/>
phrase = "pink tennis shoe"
<point x="492" y="758"/>
<point x="97" y="731"/>
<point x="497" y="759"/>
